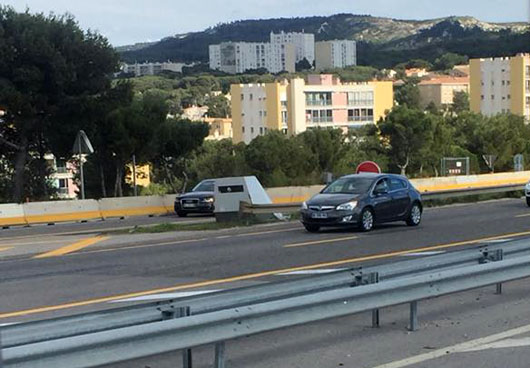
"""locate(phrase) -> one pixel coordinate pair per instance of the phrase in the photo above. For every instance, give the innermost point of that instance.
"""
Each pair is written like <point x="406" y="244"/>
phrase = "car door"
<point x="382" y="200"/>
<point x="400" y="197"/>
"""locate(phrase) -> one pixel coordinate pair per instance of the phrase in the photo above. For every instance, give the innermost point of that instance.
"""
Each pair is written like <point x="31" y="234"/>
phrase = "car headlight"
<point x="304" y="206"/>
<point x="347" y="206"/>
<point x="208" y="200"/>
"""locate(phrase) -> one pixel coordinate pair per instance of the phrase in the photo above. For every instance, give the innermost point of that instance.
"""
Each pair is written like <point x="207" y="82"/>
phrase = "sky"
<point x="126" y="22"/>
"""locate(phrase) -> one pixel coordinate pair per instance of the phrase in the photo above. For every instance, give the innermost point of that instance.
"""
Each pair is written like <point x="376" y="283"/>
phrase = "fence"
<point x="93" y="339"/>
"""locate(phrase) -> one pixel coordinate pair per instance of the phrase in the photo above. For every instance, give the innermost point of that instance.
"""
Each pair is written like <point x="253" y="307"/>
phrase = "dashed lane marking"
<point x="323" y="241"/>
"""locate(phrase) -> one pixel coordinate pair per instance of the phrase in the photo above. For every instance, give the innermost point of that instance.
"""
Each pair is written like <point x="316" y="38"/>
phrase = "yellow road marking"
<point x="5" y="248"/>
<point x="246" y="277"/>
<point x="319" y="242"/>
<point x="72" y="247"/>
<point x="11" y="244"/>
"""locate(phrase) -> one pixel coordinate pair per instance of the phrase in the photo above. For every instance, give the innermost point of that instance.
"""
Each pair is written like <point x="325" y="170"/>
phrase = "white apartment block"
<point x="280" y="54"/>
<point x="501" y="85"/>
<point x="253" y="111"/>
<point x="153" y="68"/>
<point x="304" y="44"/>
<point x="238" y="57"/>
<point x="335" y="54"/>
<point x="215" y="57"/>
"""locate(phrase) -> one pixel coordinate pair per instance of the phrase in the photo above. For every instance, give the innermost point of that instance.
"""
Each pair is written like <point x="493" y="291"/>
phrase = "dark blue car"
<point x="363" y="200"/>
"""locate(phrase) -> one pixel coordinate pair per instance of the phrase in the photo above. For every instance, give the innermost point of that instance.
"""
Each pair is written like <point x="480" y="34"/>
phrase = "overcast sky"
<point x="130" y="21"/>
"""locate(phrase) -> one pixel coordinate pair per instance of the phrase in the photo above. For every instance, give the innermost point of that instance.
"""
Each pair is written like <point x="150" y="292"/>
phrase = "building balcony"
<point x="360" y="118"/>
<point x="62" y="170"/>
<point x="318" y="103"/>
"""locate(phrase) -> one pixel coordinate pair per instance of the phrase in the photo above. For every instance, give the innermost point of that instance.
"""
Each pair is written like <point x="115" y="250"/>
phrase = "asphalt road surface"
<point x="57" y="274"/>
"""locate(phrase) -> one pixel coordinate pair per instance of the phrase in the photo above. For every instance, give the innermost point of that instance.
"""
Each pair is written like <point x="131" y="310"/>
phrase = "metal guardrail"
<point x="248" y="208"/>
<point x="31" y="332"/>
<point x="92" y="339"/>
<point x="107" y="347"/>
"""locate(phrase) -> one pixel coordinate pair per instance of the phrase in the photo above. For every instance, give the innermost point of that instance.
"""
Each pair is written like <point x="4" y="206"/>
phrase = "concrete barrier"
<point x="61" y="211"/>
<point x="132" y="206"/>
<point x="169" y="202"/>
<point x="292" y="194"/>
<point x="12" y="214"/>
<point x="471" y="181"/>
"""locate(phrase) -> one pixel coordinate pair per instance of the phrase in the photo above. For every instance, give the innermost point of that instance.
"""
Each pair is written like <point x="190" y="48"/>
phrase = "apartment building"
<point x="297" y="105"/>
<point x="304" y="44"/>
<point x="280" y="54"/>
<point x="153" y="68"/>
<point x="441" y="90"/>
<point x="335" y="54"/>
<point x="501" y="85"/>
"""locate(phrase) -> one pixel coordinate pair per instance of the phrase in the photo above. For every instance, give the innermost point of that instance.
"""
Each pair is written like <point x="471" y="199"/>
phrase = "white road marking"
<point x="423" y="254"/>
<point x="310" y="272"/>
<point x="498" y="240"/>
<point x="8" y="324"/>
<point x="164" y="296"/>
<point x="503" y="344"/>
<point x="458" y="348"/>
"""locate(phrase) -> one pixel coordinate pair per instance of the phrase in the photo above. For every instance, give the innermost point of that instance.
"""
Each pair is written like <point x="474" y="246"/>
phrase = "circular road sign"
<point x="368" y="167"/>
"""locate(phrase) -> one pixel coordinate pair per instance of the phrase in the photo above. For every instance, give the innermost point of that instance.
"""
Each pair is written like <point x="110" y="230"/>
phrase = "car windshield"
<point x="349" y="186"/>
<point x="204" y="186"/>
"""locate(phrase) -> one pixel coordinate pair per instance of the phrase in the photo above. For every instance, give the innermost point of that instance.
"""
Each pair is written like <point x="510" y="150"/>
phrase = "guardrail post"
<point x="187" y="361"/>
<point x="413" y="325"/>
<point x="373" y="279"/>
<point x="219" y="355"/>
<point x="499" y="255"/>
<point x="1" y="359"/>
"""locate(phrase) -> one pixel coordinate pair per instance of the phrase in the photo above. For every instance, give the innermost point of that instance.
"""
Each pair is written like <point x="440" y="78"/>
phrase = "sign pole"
<point x="134" y="175"/>
<point x="81" y="169"/>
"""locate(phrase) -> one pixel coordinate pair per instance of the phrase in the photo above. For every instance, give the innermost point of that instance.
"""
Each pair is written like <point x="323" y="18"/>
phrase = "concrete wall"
<point x="59" y="211"/>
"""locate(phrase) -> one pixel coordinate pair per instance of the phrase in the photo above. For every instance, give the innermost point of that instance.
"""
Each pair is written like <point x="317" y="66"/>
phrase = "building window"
<point x="318" y="99"/>
<point x="360" y="98"/>
<point x="260" y="130"/>
<point x="509" y="97"/>
<point x="482" y="97"/>
<point x="319" y="116"/>
<point x="261" y="113"/>
<point x="265" y="113"/>
<point x="361" y="115"/>
<point x="251" y="130"/>
<point x="492" y="97"/>
<point x="250" y="97"/>
<point x="242" y="97"/>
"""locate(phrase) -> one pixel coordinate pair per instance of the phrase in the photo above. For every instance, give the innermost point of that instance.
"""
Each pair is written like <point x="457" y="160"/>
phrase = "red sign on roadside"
<point x="368" y="167"/>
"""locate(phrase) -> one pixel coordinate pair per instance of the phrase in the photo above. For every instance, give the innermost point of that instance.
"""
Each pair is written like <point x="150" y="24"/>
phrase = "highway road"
<point x="44" y="275"/>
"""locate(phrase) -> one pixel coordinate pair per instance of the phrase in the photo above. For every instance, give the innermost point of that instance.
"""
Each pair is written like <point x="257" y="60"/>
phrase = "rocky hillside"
<point x="383" y="42"/>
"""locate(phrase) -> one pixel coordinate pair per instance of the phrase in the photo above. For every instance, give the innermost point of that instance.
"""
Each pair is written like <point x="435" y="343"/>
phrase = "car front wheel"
<point x="414" y="218"/>
<point x="312" y="228"/>
<point x="181" y="214"/>
<point x="367" y="220"/>
<point x="528" y="201"/>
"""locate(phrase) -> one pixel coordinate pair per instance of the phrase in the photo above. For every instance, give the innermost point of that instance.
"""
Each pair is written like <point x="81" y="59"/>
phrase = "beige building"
<point x="297" y="105"/>
<point x="335" y="54"/>
<point x="501" y="85"/>
<point x="441" y="90"/>
<point x="219" y="128"/>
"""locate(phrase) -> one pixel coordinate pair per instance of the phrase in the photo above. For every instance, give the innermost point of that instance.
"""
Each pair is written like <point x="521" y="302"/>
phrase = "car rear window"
<point x="397" y="184"/>
<point x="349" y="186"/>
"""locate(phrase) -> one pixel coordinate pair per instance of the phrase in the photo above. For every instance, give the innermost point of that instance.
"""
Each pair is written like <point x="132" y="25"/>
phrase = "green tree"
<point x="46" y="62"/>
<point x="406" y="131"/>
<point x="460" y="102"/>
<point x="408" y="94"/>
<point x="448" y="61"/>
<point x="218" y="107"/>
<point x="302" y="65"/>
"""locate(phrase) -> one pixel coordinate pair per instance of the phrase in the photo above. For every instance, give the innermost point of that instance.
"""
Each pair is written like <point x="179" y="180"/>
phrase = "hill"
<point x="382" y="42"/>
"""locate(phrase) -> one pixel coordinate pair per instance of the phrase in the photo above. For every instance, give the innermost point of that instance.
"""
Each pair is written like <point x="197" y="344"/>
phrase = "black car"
<point x="199" y="200"/>
<point x="362" y="200"/>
